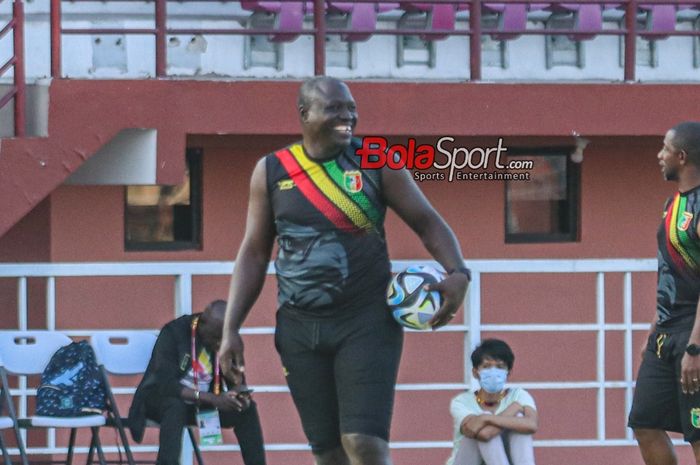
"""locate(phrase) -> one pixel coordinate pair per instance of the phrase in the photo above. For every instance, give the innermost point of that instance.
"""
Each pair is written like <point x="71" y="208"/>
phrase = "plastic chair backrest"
<point x="589" y="18"/>
<point x="28" y="352"/>
<point x="662" y="18"/>
<point x="441" y="16"/>
<point x="290" y="18"/>
<point x="512" y="17"/>
<point x="268" y="7"/>
<point x="123" y="352"/>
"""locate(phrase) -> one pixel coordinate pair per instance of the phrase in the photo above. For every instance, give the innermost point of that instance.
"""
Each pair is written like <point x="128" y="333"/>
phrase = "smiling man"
<point x="667" y="395"/>
<point x="339" y="345"/>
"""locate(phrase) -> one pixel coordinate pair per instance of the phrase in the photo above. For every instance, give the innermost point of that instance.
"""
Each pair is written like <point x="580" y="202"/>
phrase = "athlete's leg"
<point x="656" y="404"/>
<point x="366" y="366"/>
<point x="689" y="404"/>
<point x="656" y="447"/>
<point x="309" y="370"/>
<point x="366" y="450"/>
<point x="335" y="456"/>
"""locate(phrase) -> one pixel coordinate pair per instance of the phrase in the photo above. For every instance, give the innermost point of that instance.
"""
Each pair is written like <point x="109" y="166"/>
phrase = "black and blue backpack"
<point x="71" y="384"/>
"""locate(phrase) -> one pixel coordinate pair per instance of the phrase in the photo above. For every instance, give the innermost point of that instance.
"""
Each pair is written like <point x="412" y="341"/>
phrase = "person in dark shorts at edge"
<point x="338" y="343"/>
<point x="183" y="377"/>
<point x="667" y="395"/>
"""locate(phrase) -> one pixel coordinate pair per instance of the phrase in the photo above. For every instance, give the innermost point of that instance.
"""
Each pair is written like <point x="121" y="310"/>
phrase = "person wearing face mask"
<point x="493" y="425"/>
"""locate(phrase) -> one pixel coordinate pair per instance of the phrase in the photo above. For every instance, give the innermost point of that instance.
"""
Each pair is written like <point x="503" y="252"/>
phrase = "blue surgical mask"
<point x="493" y="379"/>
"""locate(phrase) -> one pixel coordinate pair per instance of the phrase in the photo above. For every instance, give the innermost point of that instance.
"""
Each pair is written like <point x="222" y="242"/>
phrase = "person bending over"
<point x="183" y="379"/>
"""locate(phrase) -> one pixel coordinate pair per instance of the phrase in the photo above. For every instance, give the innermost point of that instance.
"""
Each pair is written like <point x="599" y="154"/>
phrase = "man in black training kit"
<point x="667" y="396"/>
<point x="182" y="377"/>
<point x="339" y="345"/>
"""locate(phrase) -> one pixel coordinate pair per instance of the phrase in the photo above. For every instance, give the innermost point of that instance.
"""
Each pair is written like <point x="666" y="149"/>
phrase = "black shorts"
<point x="341" y="373"/>
<point x="658" y="401"/>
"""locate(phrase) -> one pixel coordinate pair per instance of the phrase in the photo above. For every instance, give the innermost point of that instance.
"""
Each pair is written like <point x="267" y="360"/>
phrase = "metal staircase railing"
<point x="18" y="91"/>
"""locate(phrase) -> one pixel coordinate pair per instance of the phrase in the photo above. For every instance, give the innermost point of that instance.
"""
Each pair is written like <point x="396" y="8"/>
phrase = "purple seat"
<point x="660" y="18"/>
<point x="363" y="18"/>
<point x="511" y="17"/>
<point x="587" y="18"/>
<point x="267" y="7"/>
<point x="441" y="17"/>
<point x="289" y="17"/>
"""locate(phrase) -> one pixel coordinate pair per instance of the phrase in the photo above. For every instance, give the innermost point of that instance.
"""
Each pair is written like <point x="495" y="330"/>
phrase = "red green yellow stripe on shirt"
<point x="322" y="191"/>
<point x="682" y="249"/>
<point x="338" y="175"/>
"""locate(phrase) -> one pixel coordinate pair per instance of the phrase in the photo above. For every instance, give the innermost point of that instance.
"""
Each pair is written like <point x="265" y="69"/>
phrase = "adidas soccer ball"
<point x="410" y="304"/>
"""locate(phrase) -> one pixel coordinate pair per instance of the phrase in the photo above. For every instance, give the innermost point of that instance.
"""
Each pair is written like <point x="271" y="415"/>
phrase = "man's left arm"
<point x="404" y="197"/>
<point x="690" y="364"/>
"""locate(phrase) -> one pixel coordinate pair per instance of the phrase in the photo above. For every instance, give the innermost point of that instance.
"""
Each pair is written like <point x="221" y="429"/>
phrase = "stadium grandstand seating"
<point x="522" y="32"/>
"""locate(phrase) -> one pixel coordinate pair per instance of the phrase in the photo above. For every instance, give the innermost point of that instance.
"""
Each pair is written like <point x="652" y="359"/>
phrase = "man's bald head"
<point x="216" y="310"/>
<point x="211" y="324"/>
<point x="328" y="116"/>
<point x="313" y="86"/>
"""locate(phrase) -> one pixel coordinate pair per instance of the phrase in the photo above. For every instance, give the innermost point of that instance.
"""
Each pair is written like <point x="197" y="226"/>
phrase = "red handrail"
<point x="631" y="40"/>
<point x="161" y="46"/>
<point x="475" y="40"/>
<point x="55" y="38"/>
<point x="19" y="76"/>
<point x="16" y="62"/>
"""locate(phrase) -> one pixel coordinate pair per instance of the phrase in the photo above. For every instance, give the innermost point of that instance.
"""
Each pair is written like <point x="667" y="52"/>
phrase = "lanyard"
<point x="217" y="379"/>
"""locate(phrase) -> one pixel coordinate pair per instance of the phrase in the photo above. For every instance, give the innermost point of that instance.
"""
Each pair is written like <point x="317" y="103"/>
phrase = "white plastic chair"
<point x="124" y="352"/>
<point x="10" y="420"/>
<point x="121" y="353"/>
<point x="27" y="353"/>
<point x="128" y="353"/>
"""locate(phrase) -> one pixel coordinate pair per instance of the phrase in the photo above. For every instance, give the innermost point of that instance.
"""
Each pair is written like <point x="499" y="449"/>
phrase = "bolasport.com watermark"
<point x="444" y="161"/>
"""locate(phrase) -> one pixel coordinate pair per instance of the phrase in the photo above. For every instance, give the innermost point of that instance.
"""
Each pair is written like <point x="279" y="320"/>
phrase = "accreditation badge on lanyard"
<point x="207" y="420"/>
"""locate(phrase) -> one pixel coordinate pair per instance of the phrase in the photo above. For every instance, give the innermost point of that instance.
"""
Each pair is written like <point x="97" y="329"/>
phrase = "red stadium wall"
<point x="28" y="241"/>
<point x="83" y="115"/>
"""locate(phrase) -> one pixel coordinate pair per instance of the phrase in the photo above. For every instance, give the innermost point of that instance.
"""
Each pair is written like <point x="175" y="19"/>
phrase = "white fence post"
<point x="183" y="306"/>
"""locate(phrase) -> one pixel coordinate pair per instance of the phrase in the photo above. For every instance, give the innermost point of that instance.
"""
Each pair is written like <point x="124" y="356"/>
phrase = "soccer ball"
<point x="410" y="304"/>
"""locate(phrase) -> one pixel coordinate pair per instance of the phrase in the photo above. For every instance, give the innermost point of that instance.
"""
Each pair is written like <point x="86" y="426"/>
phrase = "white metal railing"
<point x="183" y="273"/>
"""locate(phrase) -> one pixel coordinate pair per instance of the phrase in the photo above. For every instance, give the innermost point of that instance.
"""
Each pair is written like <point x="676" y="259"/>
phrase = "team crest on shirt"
<point x="695" y="417"/>
<point x="285" y="184"/>
<point x="684" y="222"/>
<point x="352" y="181"/>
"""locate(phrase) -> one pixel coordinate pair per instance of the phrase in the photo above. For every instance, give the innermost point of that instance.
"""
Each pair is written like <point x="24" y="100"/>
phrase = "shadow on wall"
<point x="37" y="110"/>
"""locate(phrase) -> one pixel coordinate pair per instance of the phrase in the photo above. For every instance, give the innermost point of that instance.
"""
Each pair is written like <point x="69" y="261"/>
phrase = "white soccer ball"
<point x="410" y="304"/>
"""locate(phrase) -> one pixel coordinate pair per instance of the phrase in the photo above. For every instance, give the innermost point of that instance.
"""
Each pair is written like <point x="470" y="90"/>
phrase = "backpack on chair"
<point x="71" y="384"/>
